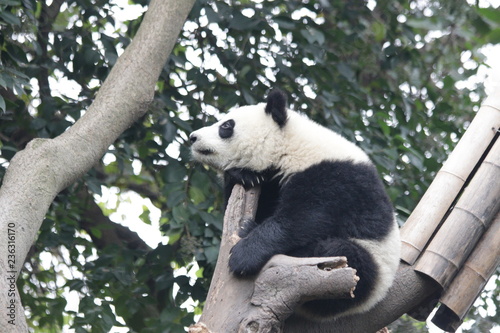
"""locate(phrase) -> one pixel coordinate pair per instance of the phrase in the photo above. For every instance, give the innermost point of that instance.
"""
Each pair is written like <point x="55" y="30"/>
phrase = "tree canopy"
<point x="388" y="75"/>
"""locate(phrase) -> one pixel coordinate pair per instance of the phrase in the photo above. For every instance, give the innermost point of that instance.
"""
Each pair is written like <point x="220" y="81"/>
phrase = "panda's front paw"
<point x="246" y="177"/>
<point x="246" y="227"/>
<point x="243" y="261"/>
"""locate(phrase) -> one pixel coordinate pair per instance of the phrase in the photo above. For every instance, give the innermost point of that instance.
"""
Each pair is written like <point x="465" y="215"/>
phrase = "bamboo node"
<point x="468" y="212"/>
<point x="443" y="170"/>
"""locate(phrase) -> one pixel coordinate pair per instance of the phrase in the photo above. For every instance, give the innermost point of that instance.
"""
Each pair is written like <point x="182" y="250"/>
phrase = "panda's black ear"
<point x="276" y="106"/>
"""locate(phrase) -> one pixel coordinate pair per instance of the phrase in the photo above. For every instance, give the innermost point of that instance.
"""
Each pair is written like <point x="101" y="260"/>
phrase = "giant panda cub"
<point x="321" y="196"/>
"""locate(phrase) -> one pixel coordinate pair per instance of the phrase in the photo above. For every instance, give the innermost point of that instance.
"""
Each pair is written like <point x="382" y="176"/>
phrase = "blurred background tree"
<point x="134" y="243"/>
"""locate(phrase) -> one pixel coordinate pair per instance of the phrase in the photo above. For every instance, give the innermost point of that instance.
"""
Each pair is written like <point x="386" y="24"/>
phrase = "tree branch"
<point x="263" y="303"/>
<point x="286" y="282"/>
<point x="111" y="233"/>
<point x="47" y="16"/>
<point x="408" y="289"/>
<point x="46" y="166"/>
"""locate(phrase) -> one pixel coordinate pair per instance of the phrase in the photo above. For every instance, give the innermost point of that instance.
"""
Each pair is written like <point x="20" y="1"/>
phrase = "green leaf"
<point x="494" y="36"/>
<point x="384" y="127"/>
<point x="96" y="231"/>
<point x="9" y="3"/>
<point x="180" y="215"/>
<point x="379" y="31"/>
<point x="489" y="13"/>
<point x="423" y="23"/>
<point x="212" y="16"/>
<point x="175" y="173"/>
<point x="2" y="104"/>
<point x="196" y="195"/>
<point x="164" y="281"/>
<point x="285" y="22"/>
<point x="313" y="35"/>
<point x="346" y="71"/>
<point x="123" y="276"/>
<point x="145" y="215"/>
<point x="248" y="97"/>
<point x="38" y="123"/>
<point x="94" y="185"/>
<point x="241" y="22"/>
<point x="211" y="253"/>
<point x="9" y="18"/>
<point x="75" y="284"/>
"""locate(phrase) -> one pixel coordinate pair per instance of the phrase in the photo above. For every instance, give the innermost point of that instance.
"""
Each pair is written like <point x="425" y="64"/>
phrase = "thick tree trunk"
<point x="47" y="166"/>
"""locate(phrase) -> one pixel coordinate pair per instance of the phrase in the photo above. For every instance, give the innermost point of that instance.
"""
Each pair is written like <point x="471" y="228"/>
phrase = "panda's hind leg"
<point x="366" y="270"/>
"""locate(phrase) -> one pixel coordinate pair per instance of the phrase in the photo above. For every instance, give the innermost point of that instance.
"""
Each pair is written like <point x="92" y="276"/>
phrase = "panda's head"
<point x="247" y="137"/>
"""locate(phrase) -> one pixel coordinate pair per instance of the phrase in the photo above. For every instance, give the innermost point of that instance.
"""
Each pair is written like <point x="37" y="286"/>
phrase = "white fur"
<point x="307" y="143"/>
<point x="261" y="143"/>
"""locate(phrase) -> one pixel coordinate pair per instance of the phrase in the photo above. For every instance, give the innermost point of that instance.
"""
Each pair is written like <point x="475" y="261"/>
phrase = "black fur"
<point x="269" y="193"/>
<point x="276" y="106"/>
<point x="247" y="178"/>
<point x="226" y="129"/>
<point x="315" y="213"/>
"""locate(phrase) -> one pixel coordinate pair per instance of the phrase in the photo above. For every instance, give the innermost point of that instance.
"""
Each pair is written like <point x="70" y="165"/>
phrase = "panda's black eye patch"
<point x="226" y="129"/>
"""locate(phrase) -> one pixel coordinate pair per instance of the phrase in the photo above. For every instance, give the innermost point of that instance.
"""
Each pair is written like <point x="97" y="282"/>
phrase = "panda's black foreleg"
<point x="249" y="178"/>
<point x="252" y="252"/>
<point x="246" y="227"/>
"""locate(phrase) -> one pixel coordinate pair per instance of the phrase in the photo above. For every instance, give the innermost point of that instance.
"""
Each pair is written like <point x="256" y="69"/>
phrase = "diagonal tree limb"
<point x="111" y="232"/>
<point x="46" y="166"/>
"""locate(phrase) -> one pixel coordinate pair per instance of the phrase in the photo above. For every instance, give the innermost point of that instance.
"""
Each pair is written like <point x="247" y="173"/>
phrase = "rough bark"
<point x="46" y="166"/>
<point x="286" y="282"/>
<point x="410" y="289"/>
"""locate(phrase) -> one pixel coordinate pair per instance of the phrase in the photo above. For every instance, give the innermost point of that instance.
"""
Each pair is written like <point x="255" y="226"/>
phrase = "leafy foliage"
<point x="387" y="74"/>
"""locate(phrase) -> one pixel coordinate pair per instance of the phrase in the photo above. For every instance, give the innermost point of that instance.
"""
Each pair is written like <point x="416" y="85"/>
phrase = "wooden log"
<point x="470" y="218"/>
<point x="409" y="289"/>
<point x="286" y="282"/>
<point x="224" y="299"/>
<point x="470" y="281"/>
<point x="443" y="191"/>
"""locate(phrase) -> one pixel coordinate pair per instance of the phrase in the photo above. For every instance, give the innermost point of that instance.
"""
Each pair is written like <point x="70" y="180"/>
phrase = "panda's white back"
<point x="306" y="143"/>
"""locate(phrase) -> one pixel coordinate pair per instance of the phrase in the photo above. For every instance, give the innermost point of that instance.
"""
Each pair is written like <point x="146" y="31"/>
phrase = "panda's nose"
<point x="193" y="138"/>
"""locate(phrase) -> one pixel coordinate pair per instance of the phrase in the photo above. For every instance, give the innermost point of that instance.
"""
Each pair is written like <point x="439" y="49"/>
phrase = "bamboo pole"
<point x="466" y="287"/>
<point x="470" y="218"/>
<point x="426" y="217"/>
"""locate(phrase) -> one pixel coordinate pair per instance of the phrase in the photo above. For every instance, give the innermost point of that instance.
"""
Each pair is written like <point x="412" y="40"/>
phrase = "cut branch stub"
<point x="286" y="282"/>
